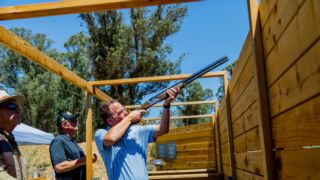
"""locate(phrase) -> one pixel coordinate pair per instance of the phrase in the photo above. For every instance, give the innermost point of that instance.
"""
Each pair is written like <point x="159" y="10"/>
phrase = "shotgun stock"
<point x="163" y="95"/>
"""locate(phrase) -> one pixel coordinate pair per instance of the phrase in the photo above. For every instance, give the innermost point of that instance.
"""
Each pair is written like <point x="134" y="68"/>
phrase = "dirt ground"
<point x="38" y="157"/>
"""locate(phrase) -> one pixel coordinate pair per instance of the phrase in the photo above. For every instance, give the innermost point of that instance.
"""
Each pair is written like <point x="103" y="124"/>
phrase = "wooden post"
<point x="262" y="100"/>
<point x="88" y="136"/>
<point x="229" y="126"/>
<point x="214" y="124"/>
<point x="217" y="139"/>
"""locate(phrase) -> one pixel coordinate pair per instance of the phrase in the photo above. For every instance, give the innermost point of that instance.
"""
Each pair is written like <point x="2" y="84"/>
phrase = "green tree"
<point x="133" y="49"/>
<point x="76" y="59"/>
<point x="45" y="92"/>
<point x="194" y="92"/>
<point x="35" y="83"/>
<point x="220" y="92"/>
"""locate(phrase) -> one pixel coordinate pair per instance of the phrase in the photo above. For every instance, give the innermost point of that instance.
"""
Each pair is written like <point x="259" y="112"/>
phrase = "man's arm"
<point x="117" y="131"/>
<point x="163" y="128"/>
<point x="66" y="166"/>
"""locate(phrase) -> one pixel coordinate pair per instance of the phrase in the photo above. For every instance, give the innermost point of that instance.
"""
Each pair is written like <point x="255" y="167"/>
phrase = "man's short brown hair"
<point x="104" y="109"/>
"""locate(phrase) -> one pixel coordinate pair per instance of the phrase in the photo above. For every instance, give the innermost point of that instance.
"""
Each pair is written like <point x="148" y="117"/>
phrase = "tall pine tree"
<point x="135" y="47"/>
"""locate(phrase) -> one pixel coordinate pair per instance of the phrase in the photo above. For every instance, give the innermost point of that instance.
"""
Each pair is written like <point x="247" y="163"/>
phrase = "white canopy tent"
<point x="27" y="135"/>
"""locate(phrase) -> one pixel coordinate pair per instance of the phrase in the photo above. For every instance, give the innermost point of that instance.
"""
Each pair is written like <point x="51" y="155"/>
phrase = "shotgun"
<point x="163" y="95"/>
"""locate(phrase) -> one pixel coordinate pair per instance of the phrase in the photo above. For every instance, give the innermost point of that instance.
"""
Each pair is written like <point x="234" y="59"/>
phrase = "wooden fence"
<point x="290" y="34"/>
<point x="195" y="148"/>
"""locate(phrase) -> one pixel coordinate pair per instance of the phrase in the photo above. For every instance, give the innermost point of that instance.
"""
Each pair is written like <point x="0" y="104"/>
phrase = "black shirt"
<point x="64" y="148"/>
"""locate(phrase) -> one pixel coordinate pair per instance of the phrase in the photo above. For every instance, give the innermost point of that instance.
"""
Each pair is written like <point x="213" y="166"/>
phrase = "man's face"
<point x="118" y="112"/>
<point x="70" y="127"/>
<point x="10" y="115"/>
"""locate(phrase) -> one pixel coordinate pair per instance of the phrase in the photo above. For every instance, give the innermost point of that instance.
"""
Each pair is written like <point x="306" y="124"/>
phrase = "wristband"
<point x="166" y="106"/>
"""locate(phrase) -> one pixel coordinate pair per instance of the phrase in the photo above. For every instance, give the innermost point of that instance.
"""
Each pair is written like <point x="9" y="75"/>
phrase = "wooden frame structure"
<point x="76" y="6"/>
<point x="163" y="79"/>
<point x="22" y="47"/>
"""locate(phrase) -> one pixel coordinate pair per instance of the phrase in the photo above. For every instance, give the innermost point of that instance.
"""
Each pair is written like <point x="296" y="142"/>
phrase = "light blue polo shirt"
<point x="127" y="158"/>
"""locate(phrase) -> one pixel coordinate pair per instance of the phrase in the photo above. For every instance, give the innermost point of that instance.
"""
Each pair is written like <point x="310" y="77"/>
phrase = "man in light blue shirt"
<point x="123" y="144"/>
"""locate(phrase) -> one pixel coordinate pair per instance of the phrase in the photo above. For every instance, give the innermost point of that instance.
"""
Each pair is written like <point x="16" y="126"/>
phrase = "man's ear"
<point x="64" y="124"/>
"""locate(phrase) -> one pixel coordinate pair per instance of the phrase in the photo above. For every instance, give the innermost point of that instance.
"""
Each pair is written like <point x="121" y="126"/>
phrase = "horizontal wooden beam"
<point x="76" y="6"/>
<point x="17" y="44"/>
<point x="174" y="104"/>
<point x="181" y="117"/>
<point x="186" y="176"/>
<point x="187" y="171"/>
<point x="153" y="79"/>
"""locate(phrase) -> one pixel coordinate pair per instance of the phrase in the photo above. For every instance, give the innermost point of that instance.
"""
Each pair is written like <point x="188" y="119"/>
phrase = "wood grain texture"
<point x="248" y="98"/>
<point x="244" y="175"/>
<point x="189" y="165"/>
<point x="301" y="34"/>
<point x="246" y="121"/>
<point x="298" y="127"/>
<point x="298" y="164"/>
<point x="250" y="141"/>
<point x="266" y="8"/>
<point x="262" y="93"/>
<point x="226" y="171"/>
<point x="193" y="146"/>
<point x="183" y="136"/>
<point x="278" y="21"/>
<point x="191" y="128"/>
<point x="153" y="79"/>
<point x="246" y="52"/>
<point x="250" y="161"/>
<point x="224" y="137"/>
<point x="89" y="113"/>
<point x="225" y="154"/>
<point x="298" y="84"/>
<point x="243" y="81"/>
<point x="75" y="6"/>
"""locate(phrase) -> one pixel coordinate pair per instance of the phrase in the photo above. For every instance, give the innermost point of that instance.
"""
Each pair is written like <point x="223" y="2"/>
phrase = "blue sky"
<point x="212" y="29"/>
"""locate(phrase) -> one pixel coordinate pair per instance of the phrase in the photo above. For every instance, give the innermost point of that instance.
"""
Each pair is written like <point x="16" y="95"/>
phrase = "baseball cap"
<point x="66" y="115"/>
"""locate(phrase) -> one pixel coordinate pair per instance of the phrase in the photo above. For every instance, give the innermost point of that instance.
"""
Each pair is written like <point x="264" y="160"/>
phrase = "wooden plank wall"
<point x="291" y="45"/>
<point x="291" y="36"/>
<point x="245" y="122"/>
<point x="195" y="147"/>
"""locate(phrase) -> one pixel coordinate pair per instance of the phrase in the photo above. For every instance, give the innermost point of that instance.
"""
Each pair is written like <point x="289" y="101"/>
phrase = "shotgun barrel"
<point x="163" y="95"/>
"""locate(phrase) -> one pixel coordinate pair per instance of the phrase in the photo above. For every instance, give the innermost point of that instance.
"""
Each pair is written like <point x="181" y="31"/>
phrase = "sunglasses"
<point x="70" y="120"/>
<point x="11" y="106"/>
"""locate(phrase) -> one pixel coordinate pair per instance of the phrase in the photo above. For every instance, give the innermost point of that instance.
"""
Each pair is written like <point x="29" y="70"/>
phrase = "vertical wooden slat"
<point x="88" y="136"/>
<point x="262" y="99"/>
<point x="217" y="139"/>
<point x="214" y="124"/>
<point x="229" y="125"/>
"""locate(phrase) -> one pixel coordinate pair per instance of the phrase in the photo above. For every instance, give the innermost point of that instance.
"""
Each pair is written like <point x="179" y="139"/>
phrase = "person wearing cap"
<point x="123" y="144"/>
<point x="67" y="158"/>
<point x="12" y="164"/>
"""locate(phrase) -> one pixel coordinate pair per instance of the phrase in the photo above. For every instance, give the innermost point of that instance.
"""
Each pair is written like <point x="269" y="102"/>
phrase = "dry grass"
<point x="38" y="156"/>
